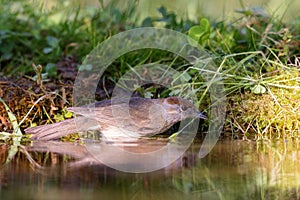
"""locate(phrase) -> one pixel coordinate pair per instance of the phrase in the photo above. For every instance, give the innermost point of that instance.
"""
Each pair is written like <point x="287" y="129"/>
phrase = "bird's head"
<point x="179" y="109"/>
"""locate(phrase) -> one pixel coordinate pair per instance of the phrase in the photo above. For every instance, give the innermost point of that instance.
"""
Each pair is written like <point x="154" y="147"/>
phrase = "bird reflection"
<point x="89" y="153"/>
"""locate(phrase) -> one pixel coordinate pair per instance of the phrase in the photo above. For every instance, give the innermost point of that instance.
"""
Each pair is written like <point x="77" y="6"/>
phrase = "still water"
<point x="234" y="169"/>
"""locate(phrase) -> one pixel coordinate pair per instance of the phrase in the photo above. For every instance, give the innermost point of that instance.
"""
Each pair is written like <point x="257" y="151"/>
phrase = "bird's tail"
<point x="53" y="131"/>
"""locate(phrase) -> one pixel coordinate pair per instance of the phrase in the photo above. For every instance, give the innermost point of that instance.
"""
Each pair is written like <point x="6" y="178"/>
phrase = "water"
<point x="232" y="170"/>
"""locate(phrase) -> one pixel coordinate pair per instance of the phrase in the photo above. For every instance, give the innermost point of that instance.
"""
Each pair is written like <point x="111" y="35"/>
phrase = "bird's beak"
<point x="200" y="115"/>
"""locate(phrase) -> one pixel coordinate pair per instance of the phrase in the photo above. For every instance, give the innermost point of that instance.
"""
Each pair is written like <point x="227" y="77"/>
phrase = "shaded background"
<point x="215" y="9"/>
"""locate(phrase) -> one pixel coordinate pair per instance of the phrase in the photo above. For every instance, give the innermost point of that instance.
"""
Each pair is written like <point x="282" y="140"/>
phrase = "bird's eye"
<point x="184" y="108"/>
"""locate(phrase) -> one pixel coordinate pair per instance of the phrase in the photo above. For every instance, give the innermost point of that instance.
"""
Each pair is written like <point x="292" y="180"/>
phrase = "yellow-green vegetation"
<point x="257" y="54"/>
<point x="272" y="114"/>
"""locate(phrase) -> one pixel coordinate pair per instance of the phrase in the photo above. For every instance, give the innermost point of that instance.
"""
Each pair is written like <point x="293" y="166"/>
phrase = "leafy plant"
<point x="201" y="33"/>
<point x="169" y="20"/>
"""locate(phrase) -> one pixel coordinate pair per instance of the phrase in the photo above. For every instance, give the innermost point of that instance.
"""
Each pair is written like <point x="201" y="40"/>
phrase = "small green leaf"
<point x="185" y="77"/>
<point x="59" y="118"/>
<point x="51" y="70"/>
<point x="148" y="95"/>
<point x="87" y="67"/>
<point x="147" y="22"/>
<point x="175" y="92"/>
<point x="163" y="11"/>
<point x="258" y="89"/>
<point x="136" y="86"/>
<point x="151" y="89"/>
<point x="52" y="41"/>
<point x="47" y="50"/>
<point x="68" y="114"/>
<point x="195" y="32"/>
<point x="201" y="32"/>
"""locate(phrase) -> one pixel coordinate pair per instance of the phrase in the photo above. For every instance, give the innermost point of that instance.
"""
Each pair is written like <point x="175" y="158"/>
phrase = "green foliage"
<point x="168" y="20"/>
<point x="53" y="45"/>
<point x="201" y="33"/>
<point x="30" y="35"/>
<point x="64" y="114"/>
<point x="51" y="70"/>
<point x="258" y="89"/>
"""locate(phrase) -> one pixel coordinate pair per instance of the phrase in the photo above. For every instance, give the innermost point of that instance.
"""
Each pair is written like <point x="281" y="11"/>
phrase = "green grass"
<point x="30" y="35"/>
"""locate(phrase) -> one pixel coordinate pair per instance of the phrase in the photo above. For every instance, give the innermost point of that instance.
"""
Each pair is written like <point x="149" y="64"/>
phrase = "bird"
<point x="123" y="118"/>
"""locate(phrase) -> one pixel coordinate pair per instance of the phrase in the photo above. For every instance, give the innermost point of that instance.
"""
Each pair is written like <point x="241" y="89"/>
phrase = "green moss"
<point x="270" y="115"/>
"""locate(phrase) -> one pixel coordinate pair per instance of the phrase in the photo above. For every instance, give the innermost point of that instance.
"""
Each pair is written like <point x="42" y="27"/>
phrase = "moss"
<point x="269" y="115"/>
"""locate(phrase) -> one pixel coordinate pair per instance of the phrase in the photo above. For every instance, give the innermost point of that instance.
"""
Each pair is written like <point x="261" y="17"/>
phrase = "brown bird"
<point x="121" y="119"/>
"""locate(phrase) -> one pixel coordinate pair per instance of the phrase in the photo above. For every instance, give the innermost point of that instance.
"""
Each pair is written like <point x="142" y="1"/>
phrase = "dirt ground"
<point x="45" y="99"/>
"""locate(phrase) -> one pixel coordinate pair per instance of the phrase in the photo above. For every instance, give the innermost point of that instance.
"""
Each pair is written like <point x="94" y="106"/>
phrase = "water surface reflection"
<point x="233" y="170"/>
